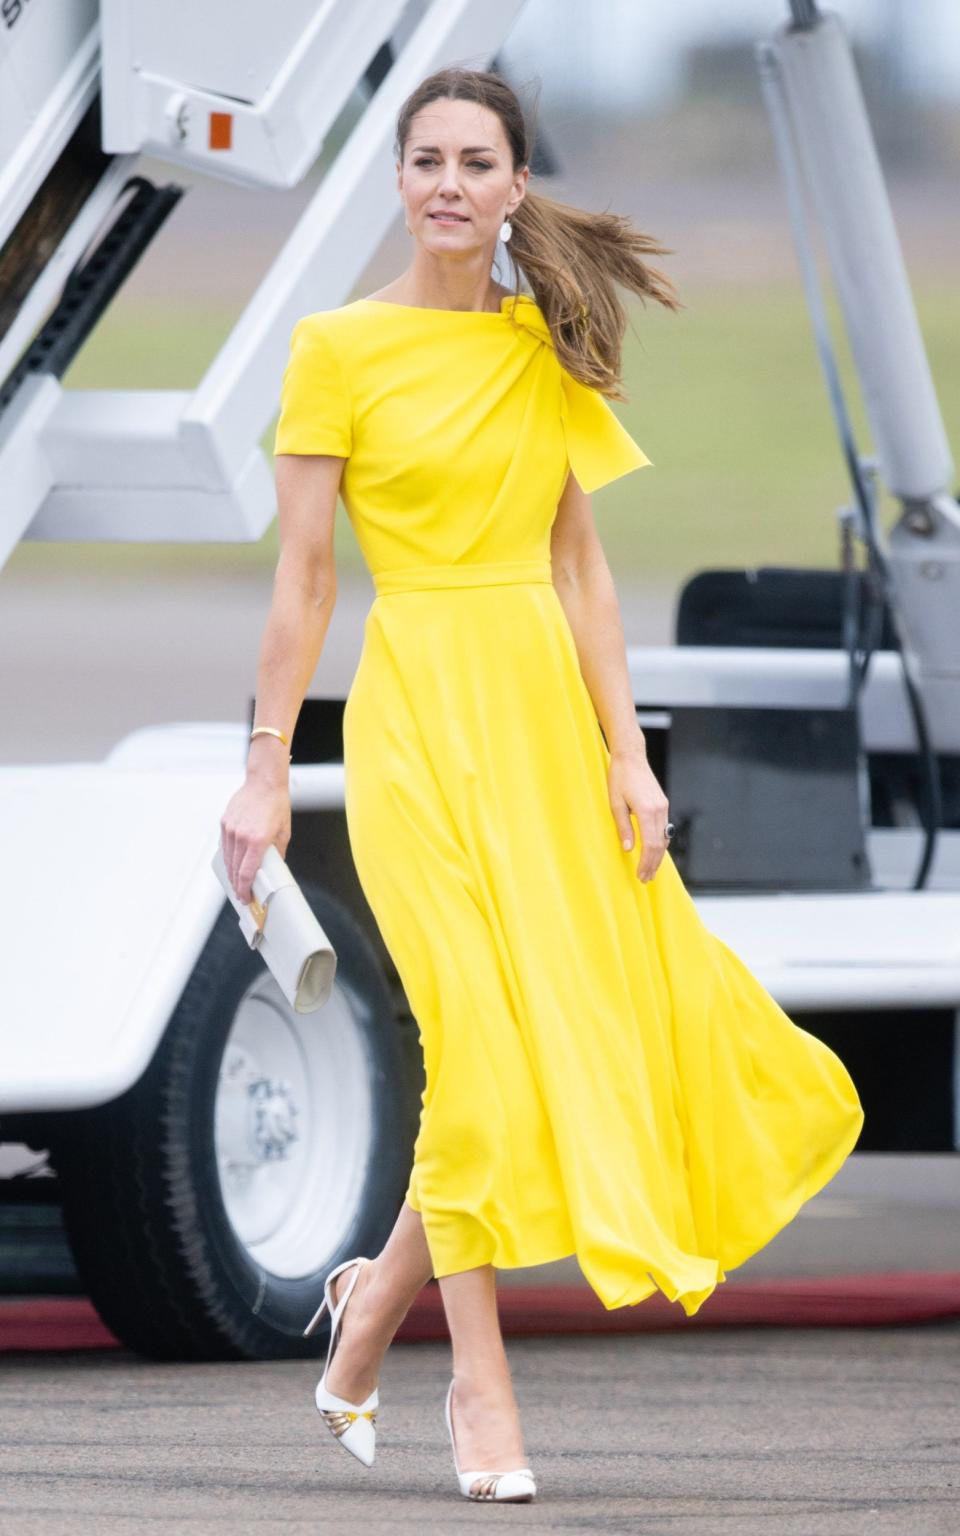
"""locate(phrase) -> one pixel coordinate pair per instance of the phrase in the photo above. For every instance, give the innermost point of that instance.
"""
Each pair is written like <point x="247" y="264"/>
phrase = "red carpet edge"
<point x="834" y="1301"/>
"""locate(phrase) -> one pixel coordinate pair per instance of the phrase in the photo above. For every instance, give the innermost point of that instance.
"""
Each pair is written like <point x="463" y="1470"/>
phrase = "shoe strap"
<point x="336" y="1310"/>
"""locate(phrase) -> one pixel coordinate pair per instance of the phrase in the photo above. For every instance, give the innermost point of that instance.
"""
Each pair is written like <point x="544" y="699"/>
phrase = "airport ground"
<point x="829" y="1432"/>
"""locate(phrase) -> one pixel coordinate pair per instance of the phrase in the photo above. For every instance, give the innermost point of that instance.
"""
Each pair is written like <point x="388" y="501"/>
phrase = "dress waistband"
<point x="416" y="578"/>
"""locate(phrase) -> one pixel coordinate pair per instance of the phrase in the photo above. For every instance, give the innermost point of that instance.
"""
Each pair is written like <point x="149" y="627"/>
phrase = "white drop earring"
<point x="506" y="230"/>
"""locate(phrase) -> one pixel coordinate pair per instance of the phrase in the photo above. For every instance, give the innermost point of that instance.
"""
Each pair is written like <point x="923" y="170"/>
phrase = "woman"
<point x="604" y="1077"/>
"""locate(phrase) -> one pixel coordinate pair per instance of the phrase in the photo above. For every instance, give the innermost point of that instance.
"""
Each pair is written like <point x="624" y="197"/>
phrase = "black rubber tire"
<point x="140" y="1188"/>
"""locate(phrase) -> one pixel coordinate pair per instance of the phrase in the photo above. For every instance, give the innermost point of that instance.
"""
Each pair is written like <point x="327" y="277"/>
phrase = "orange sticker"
<point x="221" y="130"/>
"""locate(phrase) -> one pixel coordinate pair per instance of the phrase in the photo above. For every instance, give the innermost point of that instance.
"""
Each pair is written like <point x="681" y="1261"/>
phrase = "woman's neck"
<point x="439" y="286"/>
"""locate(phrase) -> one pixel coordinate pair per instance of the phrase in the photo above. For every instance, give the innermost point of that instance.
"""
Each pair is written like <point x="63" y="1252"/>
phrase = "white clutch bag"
<point x="280" y="923"/>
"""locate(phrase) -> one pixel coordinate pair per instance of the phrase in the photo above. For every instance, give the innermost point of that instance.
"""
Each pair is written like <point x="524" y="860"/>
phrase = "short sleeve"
<point x="315" y="406"/>
<point x="599" y="447"/>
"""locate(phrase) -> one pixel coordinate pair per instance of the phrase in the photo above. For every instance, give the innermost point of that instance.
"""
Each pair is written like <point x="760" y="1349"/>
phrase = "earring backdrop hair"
<point x="506" y="230"/>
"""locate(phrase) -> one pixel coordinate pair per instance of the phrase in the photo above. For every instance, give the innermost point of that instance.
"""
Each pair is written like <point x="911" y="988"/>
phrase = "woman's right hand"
<point x="256" y="816"/>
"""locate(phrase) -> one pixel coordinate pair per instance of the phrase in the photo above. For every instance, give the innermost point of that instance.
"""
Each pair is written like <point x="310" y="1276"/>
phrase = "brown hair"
<point x="572" y="258"/>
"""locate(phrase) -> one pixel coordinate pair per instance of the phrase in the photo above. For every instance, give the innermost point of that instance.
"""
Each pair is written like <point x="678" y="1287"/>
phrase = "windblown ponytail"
<point x="571" y="259"/>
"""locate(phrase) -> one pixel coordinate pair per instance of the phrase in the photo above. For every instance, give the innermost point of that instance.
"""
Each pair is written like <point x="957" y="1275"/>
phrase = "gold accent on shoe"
<point x="340" y="1419"/>
<point x="485" y="1487"/>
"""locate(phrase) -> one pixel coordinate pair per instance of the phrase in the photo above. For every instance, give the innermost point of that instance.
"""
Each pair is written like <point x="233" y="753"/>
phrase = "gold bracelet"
<point x="268" y="730"/>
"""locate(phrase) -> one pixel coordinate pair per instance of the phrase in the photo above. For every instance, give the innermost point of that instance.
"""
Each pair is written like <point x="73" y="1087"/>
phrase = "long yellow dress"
<point x="604" y="1076"/>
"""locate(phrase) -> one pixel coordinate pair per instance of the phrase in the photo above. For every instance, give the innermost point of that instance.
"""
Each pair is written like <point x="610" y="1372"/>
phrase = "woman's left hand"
<point x="633" y="787"/>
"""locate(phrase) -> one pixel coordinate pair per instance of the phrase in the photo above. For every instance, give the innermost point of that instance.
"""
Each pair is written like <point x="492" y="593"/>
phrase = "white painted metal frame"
<point x="279" y="82"/>
<point x="771" y="677"/>
<point x="826" y="104"/>
<point x="173" y="466"/>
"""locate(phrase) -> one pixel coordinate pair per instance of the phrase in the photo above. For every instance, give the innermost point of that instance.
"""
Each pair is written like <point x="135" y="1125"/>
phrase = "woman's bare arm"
<point x="585" y="587"/>
<point x="304" y="593"/>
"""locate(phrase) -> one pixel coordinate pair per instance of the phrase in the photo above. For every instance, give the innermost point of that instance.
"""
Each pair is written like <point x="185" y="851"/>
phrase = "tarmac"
<point x="733" y="1431"/>
<point x="830" y="1432"/>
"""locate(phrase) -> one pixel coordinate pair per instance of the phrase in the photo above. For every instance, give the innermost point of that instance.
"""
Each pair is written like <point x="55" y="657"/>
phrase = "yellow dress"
<point x="604" y="1076"/>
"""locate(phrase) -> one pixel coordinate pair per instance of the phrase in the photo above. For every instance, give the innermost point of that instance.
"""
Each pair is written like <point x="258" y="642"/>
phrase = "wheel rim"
<point x="293" y="1122"/>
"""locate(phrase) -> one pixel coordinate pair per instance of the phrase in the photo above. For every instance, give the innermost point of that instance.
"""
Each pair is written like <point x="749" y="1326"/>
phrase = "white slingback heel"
<point x="516" y="1487"/>
<point x="353" y="1424"/>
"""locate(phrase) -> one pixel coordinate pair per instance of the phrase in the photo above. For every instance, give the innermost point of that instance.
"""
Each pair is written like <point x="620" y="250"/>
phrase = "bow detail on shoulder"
<point x="599" y="447"/>
<point x="525" y="311"/>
